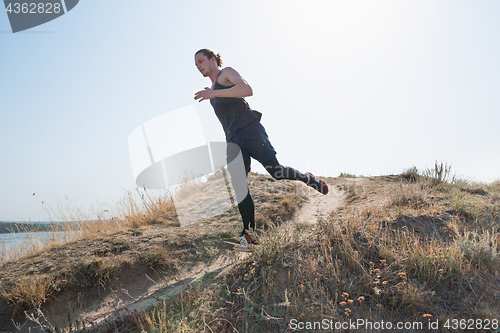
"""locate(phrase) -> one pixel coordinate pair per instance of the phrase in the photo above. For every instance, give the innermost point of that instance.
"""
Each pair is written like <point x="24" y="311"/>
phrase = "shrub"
<point x="441" y="174"/>
<point x="411" y="175"/>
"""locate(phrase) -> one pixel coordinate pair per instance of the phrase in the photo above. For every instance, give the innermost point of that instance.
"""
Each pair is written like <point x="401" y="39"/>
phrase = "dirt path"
<point x="155" y="294"/>
<point x="320" y="205"/>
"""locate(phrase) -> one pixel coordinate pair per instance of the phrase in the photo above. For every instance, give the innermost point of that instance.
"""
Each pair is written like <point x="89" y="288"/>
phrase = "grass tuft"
<point x="440" y="174"/>
<point x="411" y="175"/>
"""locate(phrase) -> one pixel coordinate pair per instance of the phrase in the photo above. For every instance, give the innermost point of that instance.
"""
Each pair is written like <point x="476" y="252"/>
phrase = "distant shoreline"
<point x="16" y="227"/>
<point x="20" y="226"/>
<point x="30" y="222"/>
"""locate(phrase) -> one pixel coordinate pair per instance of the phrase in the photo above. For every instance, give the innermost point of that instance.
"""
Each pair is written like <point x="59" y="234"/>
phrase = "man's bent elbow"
<point x="250" y="91"/>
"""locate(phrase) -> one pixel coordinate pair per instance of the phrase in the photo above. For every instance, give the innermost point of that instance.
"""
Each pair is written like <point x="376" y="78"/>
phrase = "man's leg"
<point x="279" y="172"/>
<point x="247" y="208"/>
<point x="247" y="212"/>
<point x="240" y="185"/>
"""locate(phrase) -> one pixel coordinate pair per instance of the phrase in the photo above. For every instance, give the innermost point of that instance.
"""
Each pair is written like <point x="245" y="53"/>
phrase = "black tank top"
<point x="233" y="112"/>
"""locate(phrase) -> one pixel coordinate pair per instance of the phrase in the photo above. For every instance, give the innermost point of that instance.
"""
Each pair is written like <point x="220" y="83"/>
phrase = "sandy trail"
<point x="320" y="205"/>
<point x="161" y="290"/>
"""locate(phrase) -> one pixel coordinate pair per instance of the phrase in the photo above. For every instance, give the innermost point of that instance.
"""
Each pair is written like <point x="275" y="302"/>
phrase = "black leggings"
<point x="278" y="172"/>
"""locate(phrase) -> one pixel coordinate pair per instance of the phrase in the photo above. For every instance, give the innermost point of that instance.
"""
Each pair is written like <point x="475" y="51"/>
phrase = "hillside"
<point x="408" y="248"/>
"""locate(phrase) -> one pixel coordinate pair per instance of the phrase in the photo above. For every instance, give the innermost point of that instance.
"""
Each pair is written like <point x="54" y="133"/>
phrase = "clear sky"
<point x="364" y="87"/>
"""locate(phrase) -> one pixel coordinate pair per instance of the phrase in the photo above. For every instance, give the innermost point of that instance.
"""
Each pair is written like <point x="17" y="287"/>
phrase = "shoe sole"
<point x="238" y="246"/>
<point x="231" y="241"/>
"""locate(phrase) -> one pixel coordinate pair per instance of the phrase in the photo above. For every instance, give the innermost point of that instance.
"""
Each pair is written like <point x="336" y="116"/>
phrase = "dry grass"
<point x="82" y="253"/>
<point x="401" y="249"/>
<point x="399" y="252"/>
<point x="440" y="174"/>
<point x="27" y="293"/>
<point x="135" y="210"/>
<point x="408" y="195"/>
<point x="159" y="259"/>
<point x="145" y="238"/>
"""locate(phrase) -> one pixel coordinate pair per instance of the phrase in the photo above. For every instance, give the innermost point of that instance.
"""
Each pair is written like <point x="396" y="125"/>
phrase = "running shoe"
<point x="248" y="240"/>
<point x="245" y="241"/>
<point x="239" y="245"/>
<point x="251" y="238"/>
<point x="317" y="183"/>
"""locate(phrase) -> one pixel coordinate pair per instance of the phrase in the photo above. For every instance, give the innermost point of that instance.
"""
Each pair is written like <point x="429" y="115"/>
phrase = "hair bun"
<point x="219" y="59"/>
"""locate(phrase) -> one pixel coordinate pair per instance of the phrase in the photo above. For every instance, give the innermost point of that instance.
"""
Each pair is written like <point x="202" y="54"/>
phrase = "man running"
<point x="242" y="127"/>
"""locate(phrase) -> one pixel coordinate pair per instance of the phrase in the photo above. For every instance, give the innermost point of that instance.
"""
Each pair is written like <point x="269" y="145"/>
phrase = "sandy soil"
<point x="320" y="205"/>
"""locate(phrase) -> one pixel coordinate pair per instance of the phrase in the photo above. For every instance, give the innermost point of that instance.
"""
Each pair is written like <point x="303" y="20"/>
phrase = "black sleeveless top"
<point x="233" y="112"/>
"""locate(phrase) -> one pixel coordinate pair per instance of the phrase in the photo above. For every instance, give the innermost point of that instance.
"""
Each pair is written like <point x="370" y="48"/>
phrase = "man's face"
<point x="203" y="64"/>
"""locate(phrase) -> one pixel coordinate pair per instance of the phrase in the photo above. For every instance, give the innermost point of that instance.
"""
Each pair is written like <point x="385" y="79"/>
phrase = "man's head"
<point x="206" y="60"/>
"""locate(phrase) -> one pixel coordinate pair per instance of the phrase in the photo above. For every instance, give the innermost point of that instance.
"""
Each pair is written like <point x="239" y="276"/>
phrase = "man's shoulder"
<point x="227" y="76"/>
<point x="228" y="70"/>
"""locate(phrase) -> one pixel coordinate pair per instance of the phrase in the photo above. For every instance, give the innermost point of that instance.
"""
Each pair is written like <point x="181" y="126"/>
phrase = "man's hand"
<point x="204" y="94"/>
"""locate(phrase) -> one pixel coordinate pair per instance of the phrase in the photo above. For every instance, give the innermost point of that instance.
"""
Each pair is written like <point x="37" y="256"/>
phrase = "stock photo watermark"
<point x="403" y="326"/>
<point x="24" y="15"/>
<point x="179" y="153"/>
<point x="171" y="152"/>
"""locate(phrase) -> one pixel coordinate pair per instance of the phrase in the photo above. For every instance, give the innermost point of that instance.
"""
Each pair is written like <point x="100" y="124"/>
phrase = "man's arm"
<point x="229" y="76"/>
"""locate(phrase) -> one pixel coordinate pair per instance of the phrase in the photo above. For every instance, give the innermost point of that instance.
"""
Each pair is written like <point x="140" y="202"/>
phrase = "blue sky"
<point x="362" y="87"/>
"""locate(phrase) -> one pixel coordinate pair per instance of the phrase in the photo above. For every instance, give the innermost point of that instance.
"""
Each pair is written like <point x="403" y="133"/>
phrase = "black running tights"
<point x="278" y="172"/>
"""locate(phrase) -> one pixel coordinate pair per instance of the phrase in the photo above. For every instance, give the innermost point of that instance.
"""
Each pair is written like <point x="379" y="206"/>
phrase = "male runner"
<point x="242" y="127"/>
